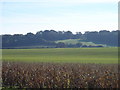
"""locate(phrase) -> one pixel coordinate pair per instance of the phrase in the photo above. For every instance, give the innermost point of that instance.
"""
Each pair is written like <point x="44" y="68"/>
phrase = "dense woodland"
<point x="48" y="38"/>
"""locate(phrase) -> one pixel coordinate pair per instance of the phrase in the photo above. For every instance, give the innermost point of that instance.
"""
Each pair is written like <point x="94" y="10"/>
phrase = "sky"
<point x="23" y="16"/>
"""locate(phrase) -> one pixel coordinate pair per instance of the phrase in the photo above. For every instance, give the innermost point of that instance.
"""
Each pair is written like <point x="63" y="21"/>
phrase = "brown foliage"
<point x="56" y="75"/>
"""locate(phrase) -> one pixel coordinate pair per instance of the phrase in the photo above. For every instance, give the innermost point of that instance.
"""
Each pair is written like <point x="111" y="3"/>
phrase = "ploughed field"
<point x="60" y="68"/>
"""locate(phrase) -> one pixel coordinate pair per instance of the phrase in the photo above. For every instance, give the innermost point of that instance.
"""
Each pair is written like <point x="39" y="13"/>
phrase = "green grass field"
<point x="69" y="41"/>
<point x="75" y="41"/>
<point x="62" y="55"/>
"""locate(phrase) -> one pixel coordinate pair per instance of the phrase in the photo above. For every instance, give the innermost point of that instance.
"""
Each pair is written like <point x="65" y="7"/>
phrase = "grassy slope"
<point x="69" y="41"/>
<point x="67" y="55"/>
<point x="75" y="41"/>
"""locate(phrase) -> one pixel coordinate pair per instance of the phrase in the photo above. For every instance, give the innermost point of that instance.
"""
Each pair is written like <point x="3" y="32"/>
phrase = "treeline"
<point x="48" y="38"/>
<point x="103" y="37"/>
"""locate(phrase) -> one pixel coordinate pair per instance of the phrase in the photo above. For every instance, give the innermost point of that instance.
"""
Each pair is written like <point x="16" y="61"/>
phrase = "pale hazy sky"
<point x="22" y="16"/>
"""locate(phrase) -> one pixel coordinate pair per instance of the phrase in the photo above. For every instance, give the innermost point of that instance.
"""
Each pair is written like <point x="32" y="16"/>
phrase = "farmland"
<point x="75" y="41"/>
<point x="63" y="55"/>
<point x="51" y="75"/>
<point x="60" y="68"/>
